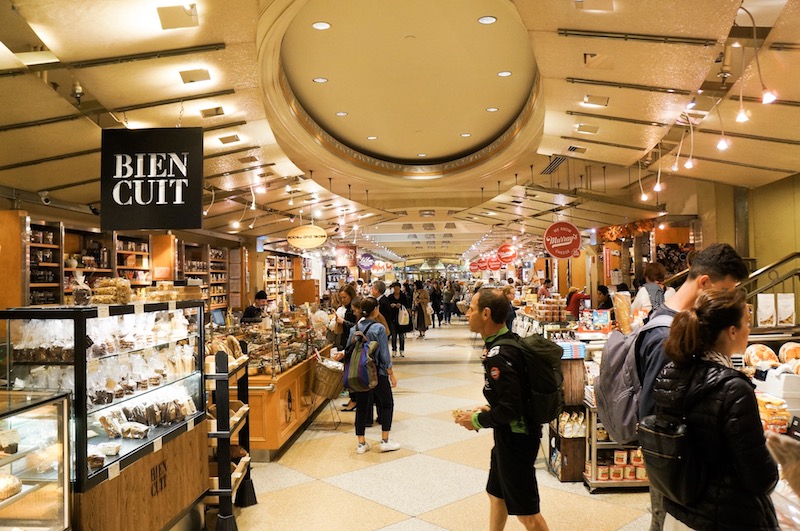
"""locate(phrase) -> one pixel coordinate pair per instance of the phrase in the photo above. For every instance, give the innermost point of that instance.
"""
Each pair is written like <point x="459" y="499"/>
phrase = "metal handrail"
<point x="677" y="276"/>
<point x="752" y="277"/>
<point x="773" y="283"/>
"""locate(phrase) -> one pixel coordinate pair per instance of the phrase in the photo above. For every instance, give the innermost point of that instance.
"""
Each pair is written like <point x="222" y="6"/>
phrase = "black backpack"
<point x="542" y="365"/>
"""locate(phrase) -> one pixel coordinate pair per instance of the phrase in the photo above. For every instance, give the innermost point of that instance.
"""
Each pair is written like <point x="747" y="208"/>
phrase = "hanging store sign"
<point x="562" y="240"/>
<point x="507" y="253"/>
<point x="366" y="261"/>
<point x="474" y="267"/>
<point x="307" y="236"/>
<point x="151" y="178"/>
<point x="345" y="255"/>
<point x="482" y="264"/>
<point x="494" y="263"/>
<point x="380" y="268"/>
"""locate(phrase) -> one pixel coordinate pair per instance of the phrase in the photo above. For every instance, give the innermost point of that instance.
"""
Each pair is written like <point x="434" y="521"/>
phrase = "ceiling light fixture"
<point x="372" y="138"/>
<point x="237" y="224"/>
<point x="657" y="187"/>
<point x="253" y="197"/>
<point x="422" y="154"/>
<point x="644" y="196"/>
<point x="205" y="212"/>
<point x="504" y="73"/>
<point x="320" y="80"/>
<point x="689" y="164"/>
<point x="492" y="109"/>
<point x="465" y="135"/>
<point x="341" y="113"/>
<point x="692" y="104"/>
<point x="261" y="189"/>
<point x="723" y="143"/>
<point x="767" y="96"/>
<point x="322" y="26"/>
<point x="486" y="20"/>
<point x="291" y="198"/>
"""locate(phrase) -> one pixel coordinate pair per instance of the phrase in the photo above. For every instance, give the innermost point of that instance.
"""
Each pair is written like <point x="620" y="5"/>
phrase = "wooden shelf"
<point x="87" y="270"/>
<point x="45" y="285"/>
<point x="45" y="264"/>
<point x="45" y="245"/>
<point x="137" y="253"/>
<point x="195" y="273"/>
<point x="135" y="283"/>
<point x="134" y="268"/>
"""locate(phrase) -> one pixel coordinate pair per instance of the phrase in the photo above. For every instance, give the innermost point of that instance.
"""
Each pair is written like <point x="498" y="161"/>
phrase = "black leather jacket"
<point x="726" y="431"/>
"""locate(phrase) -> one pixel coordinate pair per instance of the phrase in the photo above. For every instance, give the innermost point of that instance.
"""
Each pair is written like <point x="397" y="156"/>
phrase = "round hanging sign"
<point x="474" y="267"/>
<point x="379" y="269"/>
<point x="482" y="264"/>
<point x="307" y="236"/>
<point x="366" y="261"/>
<point x="494" y="263"/>
<point x="562" y="240"/>
<point x="507" y="253"/>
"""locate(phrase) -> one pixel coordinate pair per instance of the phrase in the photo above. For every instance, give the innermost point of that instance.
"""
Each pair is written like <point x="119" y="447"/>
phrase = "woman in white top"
<point x="652" y="294"/>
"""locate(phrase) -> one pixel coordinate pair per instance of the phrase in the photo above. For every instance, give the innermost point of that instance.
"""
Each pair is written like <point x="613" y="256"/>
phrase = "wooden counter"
<point x="276" y="414"/>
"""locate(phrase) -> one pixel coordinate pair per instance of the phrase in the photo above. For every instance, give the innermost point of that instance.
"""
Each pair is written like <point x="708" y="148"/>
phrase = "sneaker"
<point x="402" y="354"/>
<point x="390" y="446"/>
<point x="394" y="353"/>
<point x="365" y="448"/>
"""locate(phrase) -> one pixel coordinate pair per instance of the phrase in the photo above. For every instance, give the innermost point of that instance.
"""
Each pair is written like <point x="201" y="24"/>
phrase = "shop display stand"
<point x="46" y="265"/>
<point x="592" y="447"/>
<point x="234" y="483"/>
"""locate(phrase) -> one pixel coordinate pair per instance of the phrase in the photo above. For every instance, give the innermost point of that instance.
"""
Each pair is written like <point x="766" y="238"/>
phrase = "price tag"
<point x="157" y="445"/>
<point x="102" y="311"/>
<point x="190" y="425"/>
<point x="92" y="366"/>
<point x="138" y="308"/>
<point x="172" y="305"/>
<point x="113" y="470"/>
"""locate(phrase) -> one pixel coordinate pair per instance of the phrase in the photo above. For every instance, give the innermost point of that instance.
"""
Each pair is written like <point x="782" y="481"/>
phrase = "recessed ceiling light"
<point x="594" y="101"/>
<point x="341" y="113"/>
<point x="492" y="109"/>
<point x="320" y="25"/>
<point x="422" y="154"/>
<point x="320" y="80"/>
<point x="504" y="73"/>
<point x="588" y="129"/>
<point x="372" y="138"/>
<point x="465" y="135"/>
<point x="182" y="16"/>
<point x="213" y="111"/>
<point x="193" y="76"/>
<point x="487" y="20"/>
<point x="261" y="189"/>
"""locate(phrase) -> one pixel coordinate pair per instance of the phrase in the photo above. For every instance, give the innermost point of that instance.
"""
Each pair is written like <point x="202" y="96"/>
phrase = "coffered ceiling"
<point x="593" y="96"/>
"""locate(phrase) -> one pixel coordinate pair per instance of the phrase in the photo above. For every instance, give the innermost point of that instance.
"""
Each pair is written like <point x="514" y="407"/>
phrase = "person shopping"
<point x="345" y="320"/>
<point x="436" y="303"/>
<point x="375" y="331"/>
<point x="421" y="300"/>
<point x="574" y="300"/>
<point x="397" y="299"/>
<point x="722" y="417"/>
<point x="449" y="301"/>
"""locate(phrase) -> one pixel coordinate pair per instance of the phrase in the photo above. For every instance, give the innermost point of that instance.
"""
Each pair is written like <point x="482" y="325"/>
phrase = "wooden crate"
<point x="574" y="377"/>
<point x="152" y="491"/>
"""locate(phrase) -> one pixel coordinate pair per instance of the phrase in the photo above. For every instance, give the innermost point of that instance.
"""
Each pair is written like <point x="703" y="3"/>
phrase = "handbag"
<point x="402" y="316"/>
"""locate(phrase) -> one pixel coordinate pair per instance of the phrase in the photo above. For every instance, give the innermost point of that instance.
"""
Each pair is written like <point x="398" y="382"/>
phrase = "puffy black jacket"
<point x="726" y="431"/>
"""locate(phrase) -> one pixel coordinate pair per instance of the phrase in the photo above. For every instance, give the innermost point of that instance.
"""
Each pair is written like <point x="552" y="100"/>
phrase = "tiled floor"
<point x="435" y="481"/>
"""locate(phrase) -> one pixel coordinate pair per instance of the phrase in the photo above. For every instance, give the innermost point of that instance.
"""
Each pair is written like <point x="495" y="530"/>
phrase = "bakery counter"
<point x="280" y="406"/>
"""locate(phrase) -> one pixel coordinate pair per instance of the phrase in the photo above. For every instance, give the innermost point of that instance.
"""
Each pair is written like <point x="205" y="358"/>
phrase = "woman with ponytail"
<point x="721" y="412"/>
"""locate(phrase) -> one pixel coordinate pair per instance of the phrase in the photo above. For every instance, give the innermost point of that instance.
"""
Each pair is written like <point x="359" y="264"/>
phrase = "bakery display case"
<point x="34" y="460"/>
<point x="134" y="371"/>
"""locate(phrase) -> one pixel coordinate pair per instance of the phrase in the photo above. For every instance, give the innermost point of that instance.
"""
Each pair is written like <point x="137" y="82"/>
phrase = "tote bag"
<point x="402" y="316"/>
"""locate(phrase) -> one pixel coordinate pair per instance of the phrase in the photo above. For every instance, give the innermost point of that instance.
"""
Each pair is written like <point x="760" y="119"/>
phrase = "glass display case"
<point x="134" y="371"/>
<point x="34" y="478"/>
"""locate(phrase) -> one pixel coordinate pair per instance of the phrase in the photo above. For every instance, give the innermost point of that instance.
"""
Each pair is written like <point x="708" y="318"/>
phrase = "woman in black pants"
<point x="436" y="303"/>
<point x="345" y="320"/>
<point x="397" y="300"/>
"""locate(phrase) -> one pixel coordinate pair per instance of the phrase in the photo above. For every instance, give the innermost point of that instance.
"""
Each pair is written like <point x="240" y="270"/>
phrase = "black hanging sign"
<point x="151" y="178"/>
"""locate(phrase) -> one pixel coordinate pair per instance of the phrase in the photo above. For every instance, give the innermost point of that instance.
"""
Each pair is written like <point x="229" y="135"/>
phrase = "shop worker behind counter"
<point x="255" y="312"/>
<point x="511" y="486"/>
<point x="716" y="267"/>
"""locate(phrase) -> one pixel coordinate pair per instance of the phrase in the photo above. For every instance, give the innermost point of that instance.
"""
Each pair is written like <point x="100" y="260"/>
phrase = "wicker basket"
<point x="328" y="382"/>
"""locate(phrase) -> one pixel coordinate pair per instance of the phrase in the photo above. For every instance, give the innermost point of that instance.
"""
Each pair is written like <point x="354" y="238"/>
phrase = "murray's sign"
<point x="152" y="178"/>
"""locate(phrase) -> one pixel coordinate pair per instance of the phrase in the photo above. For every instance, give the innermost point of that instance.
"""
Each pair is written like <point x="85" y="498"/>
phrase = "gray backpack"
<point x="618" y="386"/>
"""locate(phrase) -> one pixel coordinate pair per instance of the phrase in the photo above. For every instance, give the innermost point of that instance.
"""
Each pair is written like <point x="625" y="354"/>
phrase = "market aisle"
<point x="435" y="481"/>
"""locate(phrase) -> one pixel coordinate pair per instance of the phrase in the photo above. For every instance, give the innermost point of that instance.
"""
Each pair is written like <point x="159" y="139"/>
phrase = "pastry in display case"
<point x="134" y="371"/>
<point x="279" y="342"/>
<point x="34" y="478"/>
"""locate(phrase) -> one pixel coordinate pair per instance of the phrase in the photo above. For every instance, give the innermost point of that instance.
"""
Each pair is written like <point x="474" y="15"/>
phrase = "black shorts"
<point x="511" y="475"/>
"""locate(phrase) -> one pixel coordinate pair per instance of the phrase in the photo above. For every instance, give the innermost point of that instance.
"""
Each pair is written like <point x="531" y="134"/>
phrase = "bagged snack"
<point x="785" y="309"/>
<point x="81" y="292"/>
<point x="765" y="316"/>
<point x="622" y="311"/>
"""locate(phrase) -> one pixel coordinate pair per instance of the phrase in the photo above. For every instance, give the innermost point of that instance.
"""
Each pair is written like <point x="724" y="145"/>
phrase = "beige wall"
<point x="775" y="220"/>
<point x="715" y="210"/>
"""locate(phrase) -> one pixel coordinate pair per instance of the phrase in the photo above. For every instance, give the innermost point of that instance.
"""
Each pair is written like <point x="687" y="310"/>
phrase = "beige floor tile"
<point x="474" y="452"/>
<point x="331" y="456"/>
<point x="472" y="392"/>
<point x="316" y="506"/>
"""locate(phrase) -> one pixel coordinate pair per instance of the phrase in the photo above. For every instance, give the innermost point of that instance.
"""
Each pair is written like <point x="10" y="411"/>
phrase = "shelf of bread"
<point x="137" y="393"/>
<point x="237" y="476"/>
<point x="20" y="490"/>
<point x="237" y="421"/>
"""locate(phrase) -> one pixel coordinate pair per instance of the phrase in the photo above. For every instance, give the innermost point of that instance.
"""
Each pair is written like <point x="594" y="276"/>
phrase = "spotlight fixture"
<point x="767" y="96"/>
<point x="44" y="197"/>
<point x="205" y="212"/>
<point x="292" y="218"/>
<point x="691" y="105"/>
<point x="291" y="198"/>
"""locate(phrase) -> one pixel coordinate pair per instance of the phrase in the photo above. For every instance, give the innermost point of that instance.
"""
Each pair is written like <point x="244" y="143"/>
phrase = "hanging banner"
<point x="151" y="178"/>
<point x="474" y="267"/>
<point x="562" y="240"/>
<point x="507" y="253"/>
<point x="366" y="261"/>
<point x="494" y="263"/>
<point x="345" y="255"/>
<point x="307" y="236"/>
<point x="482" y="264"/>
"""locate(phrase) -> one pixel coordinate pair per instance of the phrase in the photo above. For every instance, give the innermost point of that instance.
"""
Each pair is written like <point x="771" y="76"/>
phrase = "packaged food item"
<point x="774" y="413"/>
<point x="785" y="313"/>
<point x="94" y="457"/>
<point x="109" y="448"/>
<point x="629" y="473"/>
<point x="602" y="473"/>
<point x="602" y="434"/>
<point x="636" y="457"/>
<point x="765" y="315"/>
<point x="616" y="473"/>
<point x="134" y="430"/>
<point x="9" y="486"/>
<point x="641" y="472"/>
<point x="620" y="457"/>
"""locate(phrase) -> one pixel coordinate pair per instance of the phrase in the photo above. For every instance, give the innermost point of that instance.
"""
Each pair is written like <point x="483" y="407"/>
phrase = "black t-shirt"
<point x="252" y="312"/>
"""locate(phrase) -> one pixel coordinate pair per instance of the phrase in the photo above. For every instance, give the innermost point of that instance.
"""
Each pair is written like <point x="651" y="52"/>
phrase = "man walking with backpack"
<point x="718" y="267"/>
<point x="511" y="486"/>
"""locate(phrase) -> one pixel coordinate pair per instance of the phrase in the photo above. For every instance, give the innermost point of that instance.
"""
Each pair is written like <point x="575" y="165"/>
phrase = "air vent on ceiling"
<point x="400" y="213"/>
<point x="450" y="225"/>
<point x="599" y="61"/>
<point x="329" y="205"/>
<point x="193" y="76"/>
<point x="428" y="226"/>
<point x="448" y="235"/>
<point x="430" y="236"/>
<point x="517" y="201"/>
<point x="412" y="237"/>
<point x="555" y="162"/>
<point x="408" y="226"/>
<point x="245" y="160"/>
<point x="427" y="213"/>
<point x="577" y="149"/>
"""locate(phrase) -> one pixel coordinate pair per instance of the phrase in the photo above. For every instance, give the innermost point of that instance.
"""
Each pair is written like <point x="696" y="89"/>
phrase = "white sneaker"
<point x="402" y="354"/>
<point x="390" y="446"/>
<point x="365" y="448"/>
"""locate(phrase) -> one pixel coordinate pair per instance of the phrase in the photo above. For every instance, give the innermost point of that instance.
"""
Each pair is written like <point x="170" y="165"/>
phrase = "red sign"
<point x="507" y="253"/>
<point x="474" y="267"/>
<point x="495" y="263"/>
<point x="482" y="265"/>
<point x="562" y="240"/>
